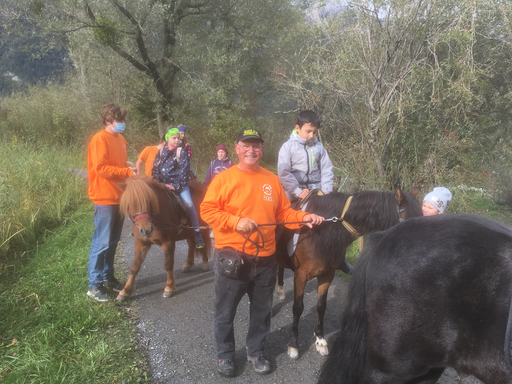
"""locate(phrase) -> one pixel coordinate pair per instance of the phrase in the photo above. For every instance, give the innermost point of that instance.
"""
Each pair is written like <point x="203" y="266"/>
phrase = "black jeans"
<point x="257" y="278"/>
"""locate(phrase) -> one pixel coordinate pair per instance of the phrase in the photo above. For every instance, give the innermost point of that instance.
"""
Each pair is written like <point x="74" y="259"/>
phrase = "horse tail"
<point x="346" y="361"/>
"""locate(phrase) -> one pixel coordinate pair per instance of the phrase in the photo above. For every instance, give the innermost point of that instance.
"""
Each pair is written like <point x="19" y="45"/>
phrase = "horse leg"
<point x="324" y="281"/>
<point x="204" y="266"/>
<point x="204" y="251"/>
<point x="280" y="283"/>
<point x="169" y="248"/>
<point x="140" y="255"/>
<point x="299" y="284"/>
<point x="189" y="263"/>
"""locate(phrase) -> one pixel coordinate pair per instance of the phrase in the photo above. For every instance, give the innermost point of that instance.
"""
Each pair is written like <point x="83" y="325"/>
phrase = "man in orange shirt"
<point x="147" y="156"/>
<point x="106" y="165"/>
<point x="236" y="201"/>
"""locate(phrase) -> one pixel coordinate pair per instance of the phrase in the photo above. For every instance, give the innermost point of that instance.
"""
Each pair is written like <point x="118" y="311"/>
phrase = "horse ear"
<point x="122" y="186"/>
<point x="399" y="196"/>
<point x="415" y="191"/>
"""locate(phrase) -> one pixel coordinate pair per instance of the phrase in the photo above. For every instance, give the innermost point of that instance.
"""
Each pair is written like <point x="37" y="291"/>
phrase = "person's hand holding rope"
<point x="313" y="219"/>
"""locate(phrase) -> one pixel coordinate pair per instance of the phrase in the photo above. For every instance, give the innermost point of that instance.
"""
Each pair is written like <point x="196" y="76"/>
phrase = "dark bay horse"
<point x="430" y="293"/>
<point x="322" y="249"/>
<point x="156" y="220"/>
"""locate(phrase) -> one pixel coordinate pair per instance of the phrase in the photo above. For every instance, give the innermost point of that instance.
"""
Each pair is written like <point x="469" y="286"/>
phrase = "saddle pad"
<point x="294" y="241"/>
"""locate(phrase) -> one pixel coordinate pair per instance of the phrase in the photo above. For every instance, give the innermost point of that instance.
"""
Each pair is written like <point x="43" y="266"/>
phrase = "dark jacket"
<point x="216" y="166"/>
<point x="172" y="167"/>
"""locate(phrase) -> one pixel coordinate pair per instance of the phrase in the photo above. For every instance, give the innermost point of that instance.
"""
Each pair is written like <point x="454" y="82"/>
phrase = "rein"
<point x="333" y="219"/>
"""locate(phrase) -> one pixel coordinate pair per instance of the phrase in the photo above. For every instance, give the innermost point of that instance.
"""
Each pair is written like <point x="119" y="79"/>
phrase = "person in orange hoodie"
<point x="237" y="200"/>
<point x="147" y="157"/>
<point x="106" y="164"/>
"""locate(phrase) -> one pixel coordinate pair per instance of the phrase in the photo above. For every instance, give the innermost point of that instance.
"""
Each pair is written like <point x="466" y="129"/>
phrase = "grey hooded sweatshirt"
<point x="304" y="164"/>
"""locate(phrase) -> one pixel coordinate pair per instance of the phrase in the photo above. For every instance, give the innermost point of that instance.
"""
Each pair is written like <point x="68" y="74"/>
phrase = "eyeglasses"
<point x="245" y="147"/>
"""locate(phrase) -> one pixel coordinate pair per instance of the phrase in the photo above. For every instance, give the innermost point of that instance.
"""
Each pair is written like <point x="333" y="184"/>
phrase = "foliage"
<point x="406" y="89"/>
<point x="50" y="331"/>
<point x="37" y="194"/>
<point x="195" y="54"/>
<point x="28" y="56"/>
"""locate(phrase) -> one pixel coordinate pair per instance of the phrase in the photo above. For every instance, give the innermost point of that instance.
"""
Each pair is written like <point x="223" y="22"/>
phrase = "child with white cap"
<point x="435" y="202"/>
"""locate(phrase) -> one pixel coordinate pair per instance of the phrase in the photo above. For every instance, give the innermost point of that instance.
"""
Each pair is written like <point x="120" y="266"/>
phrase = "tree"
<point x="206" y="50"/>
<point x="400" y="77"/>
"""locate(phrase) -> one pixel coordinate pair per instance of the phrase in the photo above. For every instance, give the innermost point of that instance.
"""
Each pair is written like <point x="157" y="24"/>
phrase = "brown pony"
<point x="157" y="220"/>
<point x="321" y="250"/>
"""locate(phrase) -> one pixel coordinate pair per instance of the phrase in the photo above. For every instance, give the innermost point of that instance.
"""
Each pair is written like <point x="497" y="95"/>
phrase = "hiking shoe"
<point x="260" y="364"/>
<point x="98" y="292"/>
<point x="113" y="284"/>
<point x="227" y="368"/>
<point x="199" y="240"/>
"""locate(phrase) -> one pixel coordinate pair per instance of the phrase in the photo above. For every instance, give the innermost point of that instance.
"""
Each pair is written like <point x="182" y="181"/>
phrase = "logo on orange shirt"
<point x="267" y="192"/>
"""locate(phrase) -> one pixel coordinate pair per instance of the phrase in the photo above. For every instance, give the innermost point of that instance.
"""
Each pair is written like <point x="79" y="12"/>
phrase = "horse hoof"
<point x="167" y="294"/>
<point x="122" y="298"/>
<point x="205" y="267"/>
<point x="280" y="293"/>
<point x="293" y="353"/>
<point x="186" y="268"/>
<point x="321" y="346"/>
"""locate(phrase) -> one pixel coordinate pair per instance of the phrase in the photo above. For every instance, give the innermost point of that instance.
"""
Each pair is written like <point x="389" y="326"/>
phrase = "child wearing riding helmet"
<point x="303" y="162"/>
<point x="218" y="165"/>
<point x="435" y="202"/>
<point x="172" y="168"/>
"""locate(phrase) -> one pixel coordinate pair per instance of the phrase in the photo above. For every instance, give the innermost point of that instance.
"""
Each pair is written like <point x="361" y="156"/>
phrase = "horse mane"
<point x="369" y="211"/>
<point x="139" y="195"/>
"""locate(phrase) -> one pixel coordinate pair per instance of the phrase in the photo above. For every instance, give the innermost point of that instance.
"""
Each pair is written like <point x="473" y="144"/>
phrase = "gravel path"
<point x="176" y="334"/>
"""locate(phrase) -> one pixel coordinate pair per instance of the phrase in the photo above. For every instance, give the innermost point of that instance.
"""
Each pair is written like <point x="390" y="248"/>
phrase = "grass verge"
<point x="51" y="332"/>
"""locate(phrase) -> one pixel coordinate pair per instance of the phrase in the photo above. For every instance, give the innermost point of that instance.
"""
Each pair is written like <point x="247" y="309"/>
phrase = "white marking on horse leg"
<point x="293" y="353"/>
<point x="321" y="346"/>
<point x="167" y="294"/>
<point x="122" y="297"/>
<point x="280" y="292"/>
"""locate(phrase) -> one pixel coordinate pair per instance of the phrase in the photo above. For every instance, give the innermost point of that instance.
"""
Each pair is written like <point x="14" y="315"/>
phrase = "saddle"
<point x="179" y="205"/>
<point x="291" y="237"/>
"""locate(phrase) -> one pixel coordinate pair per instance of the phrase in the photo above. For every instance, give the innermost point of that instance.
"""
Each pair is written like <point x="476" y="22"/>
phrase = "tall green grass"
<point x="50" y="331"/>
<point x="37" y="192"/>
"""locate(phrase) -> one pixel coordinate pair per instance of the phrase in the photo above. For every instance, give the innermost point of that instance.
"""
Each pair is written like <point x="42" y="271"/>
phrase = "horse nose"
<point x="146" y="233"/>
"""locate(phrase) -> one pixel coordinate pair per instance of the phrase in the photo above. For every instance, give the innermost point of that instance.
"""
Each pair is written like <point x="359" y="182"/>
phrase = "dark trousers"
<point x="257" y="278"/>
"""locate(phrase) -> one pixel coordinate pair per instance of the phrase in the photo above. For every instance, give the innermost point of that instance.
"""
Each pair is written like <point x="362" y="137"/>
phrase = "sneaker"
<point x="260" y="364"/>
<point x="227" y="368"/>
<point x="113" y="284"/>
<point x="98" y="292"/>
<point x="199" y="240"/>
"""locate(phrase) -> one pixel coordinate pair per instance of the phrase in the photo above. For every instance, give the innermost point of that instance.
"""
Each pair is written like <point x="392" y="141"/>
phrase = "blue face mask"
<point x="118" y="127"/>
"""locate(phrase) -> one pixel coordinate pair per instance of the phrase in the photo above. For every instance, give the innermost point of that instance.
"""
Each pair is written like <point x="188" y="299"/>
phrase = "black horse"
<point x="429" y="293"/>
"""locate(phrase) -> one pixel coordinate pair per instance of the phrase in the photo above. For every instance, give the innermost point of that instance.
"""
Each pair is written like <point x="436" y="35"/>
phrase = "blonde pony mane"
<point x="139" y="196"/>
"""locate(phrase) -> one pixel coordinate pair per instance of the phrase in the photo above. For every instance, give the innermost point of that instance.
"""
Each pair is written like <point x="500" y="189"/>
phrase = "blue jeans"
<point x="187" y="198"/>
<point x="257" y="278"/>
<point x="108" y="224"/>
